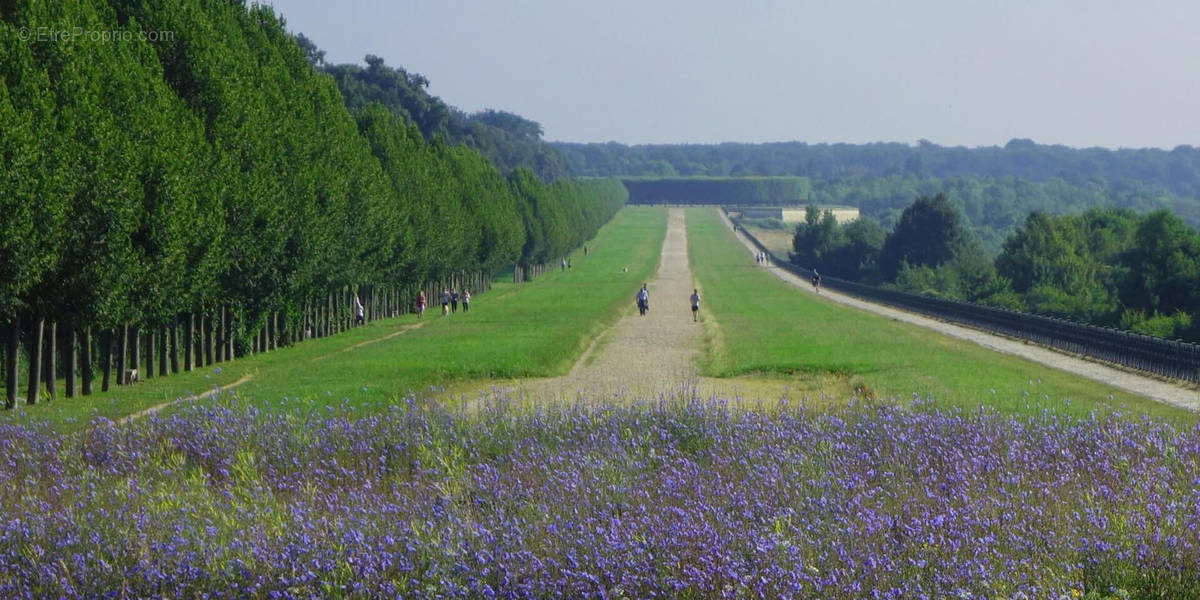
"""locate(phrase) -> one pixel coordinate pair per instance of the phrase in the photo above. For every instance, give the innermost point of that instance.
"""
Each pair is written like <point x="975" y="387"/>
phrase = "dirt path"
<point x="1156" y="389"/>
<point x="157" y="407"/>
<point x="402" y="330"/>
<point x="641" y="356"/>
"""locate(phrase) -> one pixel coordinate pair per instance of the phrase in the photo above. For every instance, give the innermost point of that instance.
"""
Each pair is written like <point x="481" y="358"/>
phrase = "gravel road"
<point x="641" y="356"/>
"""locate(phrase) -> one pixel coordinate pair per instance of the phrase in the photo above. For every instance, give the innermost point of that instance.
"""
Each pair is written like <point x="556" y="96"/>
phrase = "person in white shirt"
<point x="358" y="311"/>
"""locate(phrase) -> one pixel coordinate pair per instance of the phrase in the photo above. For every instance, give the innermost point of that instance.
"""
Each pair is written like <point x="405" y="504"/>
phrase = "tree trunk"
<point x="174" y="335"/>
<point x="118" y="354"/>
<point x="306" y="319"/>
<point x="198" y="340"/>
<point x="11" y="366"/>
<point x="208" y="340"/>
<point x="164" y="348"/>
<point x="106" y="343"/>
<point x="51" y="370"/>
<point x="151" y="343"/>
<point x="230" y="353"/>
<point x="135" y="351"/>
<point x="85" y="361"/>
<point x="35" y="359"/>
<point x="188" y="346"/>
<point x="122" y="352"/>
<point x="330" y="316"/>
<point x="71" y="356"/>
<point x="199" y="343"/>
<point x="219" y="334"/>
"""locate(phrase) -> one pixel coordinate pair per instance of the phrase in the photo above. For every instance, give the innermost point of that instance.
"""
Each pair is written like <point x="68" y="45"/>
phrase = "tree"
<point x="1163" y="267"/>
<point x="816" y="239"/>
<point x="1050" y="261"/>
<point x="315" y="55"/>
<point x="929" y="233"/>
<point x="856" y="258"/>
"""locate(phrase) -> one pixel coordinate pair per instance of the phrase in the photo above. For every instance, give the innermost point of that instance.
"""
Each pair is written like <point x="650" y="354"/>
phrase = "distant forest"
<point x="994" y="187"/>
<point x="509" y="141"/>
<point x="1177" y="171"/>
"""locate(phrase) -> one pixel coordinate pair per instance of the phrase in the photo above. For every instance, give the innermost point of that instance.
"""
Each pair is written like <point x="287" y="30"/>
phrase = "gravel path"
<point x="641" y="356"/>
<point x="1149" y="387"/>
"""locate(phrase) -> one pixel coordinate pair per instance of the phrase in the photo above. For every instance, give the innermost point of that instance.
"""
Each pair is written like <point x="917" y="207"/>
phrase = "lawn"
<point x="765" y="327"/>
<point x="533" y="329"/>
<point x="778" y="241"/>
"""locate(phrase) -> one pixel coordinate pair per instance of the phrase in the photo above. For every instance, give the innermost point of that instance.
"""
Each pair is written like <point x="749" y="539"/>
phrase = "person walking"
<point x="643" y="300"/>
<point x="695" y="305"/>
<point x="420" y="303"/>
<point x="454" y="301"/>
<point x="466" y="300"/>
<point x="445" y="302"/>
<point x="816" y="281"/>
<point x="359" y="313"/>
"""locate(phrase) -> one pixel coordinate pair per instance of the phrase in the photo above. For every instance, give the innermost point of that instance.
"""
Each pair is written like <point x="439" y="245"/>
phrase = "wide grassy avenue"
<point x="764" y="328"/>
<point x="533" y="329"/>
<point x="762" y="339"/>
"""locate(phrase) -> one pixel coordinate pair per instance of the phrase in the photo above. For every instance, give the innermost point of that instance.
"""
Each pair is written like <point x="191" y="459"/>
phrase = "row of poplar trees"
<point x="179" y="186"/>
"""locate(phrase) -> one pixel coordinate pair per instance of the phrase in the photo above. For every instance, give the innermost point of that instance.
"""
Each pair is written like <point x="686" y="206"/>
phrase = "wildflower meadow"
<point x="659" y="498"/>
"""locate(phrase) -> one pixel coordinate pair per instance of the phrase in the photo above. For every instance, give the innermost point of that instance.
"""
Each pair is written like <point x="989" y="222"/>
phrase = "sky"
<point x="1115" y="74"/>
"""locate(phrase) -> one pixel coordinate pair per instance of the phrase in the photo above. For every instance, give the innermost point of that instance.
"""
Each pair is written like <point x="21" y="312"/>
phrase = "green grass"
<point x="534" y="329"/>
<point x="766" y="326"/>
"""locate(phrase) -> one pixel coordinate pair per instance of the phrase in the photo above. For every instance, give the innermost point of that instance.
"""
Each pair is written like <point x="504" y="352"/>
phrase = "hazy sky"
<point x="955" y="72"/>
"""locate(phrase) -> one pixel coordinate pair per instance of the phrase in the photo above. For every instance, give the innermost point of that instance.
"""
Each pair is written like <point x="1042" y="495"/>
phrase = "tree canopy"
<point x="508" y="140"/>
<point x="145" y="179"/>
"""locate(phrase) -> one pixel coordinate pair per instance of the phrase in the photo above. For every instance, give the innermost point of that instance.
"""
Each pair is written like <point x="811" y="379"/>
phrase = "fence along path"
<point x="1156" y="389"/>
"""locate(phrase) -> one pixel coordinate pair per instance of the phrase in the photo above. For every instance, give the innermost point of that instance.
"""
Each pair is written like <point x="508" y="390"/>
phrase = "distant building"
<point x="843" y="214"/>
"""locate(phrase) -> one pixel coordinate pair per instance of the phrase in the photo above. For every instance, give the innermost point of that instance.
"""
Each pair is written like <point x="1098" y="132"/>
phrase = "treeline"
<point x="769" y="191"/>
<point x="174" y="203"/>
<point x="1175" y="170"/>
<point x="508" y="140"/>
<point x="995" y="206"/>
<point x="995" y="187"/>
<point x="1110" y="267"/>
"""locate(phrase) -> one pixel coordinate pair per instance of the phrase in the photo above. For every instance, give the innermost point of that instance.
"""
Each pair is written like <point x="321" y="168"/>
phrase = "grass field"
<point x="534" y="329"/>
<point x="778" y="241"/>
<point x="765" y="327"/>
<point x="762" y="334"/>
